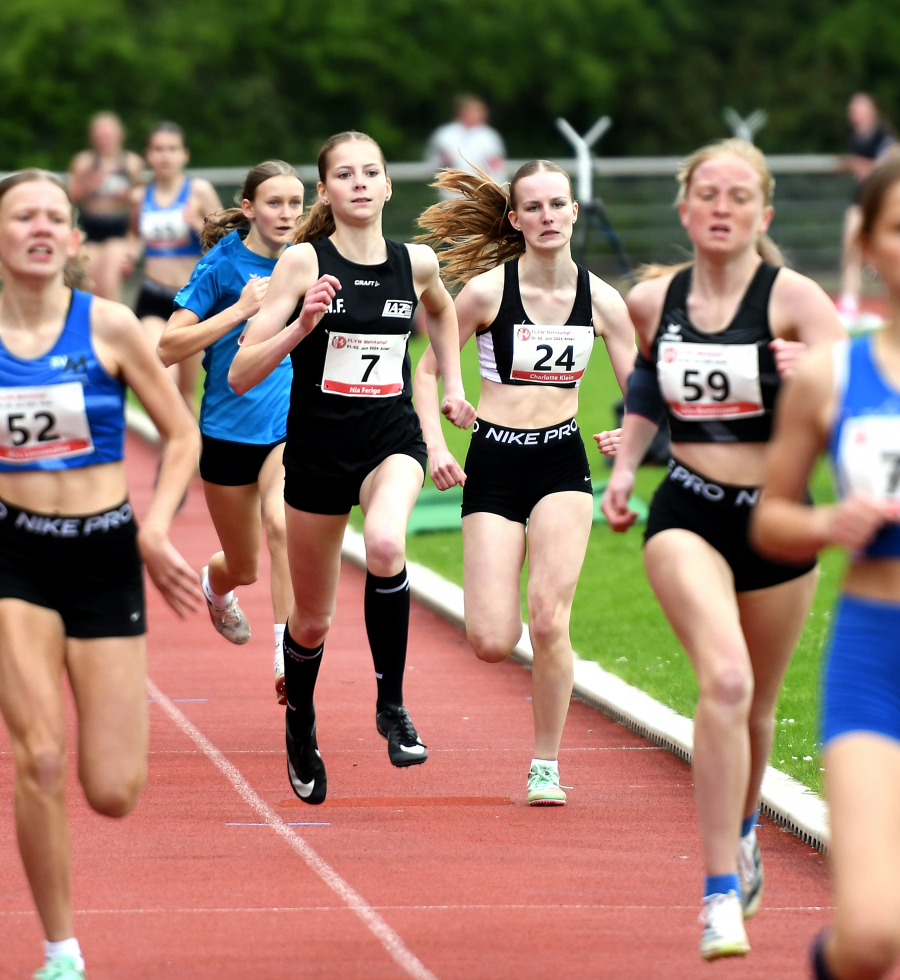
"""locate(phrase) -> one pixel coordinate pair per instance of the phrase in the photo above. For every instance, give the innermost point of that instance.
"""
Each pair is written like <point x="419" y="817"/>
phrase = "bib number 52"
<point x="38" y="430"/>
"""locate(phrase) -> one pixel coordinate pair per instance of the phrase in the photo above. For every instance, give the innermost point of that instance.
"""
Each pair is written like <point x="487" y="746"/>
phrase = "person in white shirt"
<point x="468" y="141"/>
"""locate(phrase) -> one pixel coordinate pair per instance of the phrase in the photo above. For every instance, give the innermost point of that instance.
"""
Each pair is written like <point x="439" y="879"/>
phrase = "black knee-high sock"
<point x="817" y="956"/>
<point x="301" y="668"/>
<point x="387" y="625"/>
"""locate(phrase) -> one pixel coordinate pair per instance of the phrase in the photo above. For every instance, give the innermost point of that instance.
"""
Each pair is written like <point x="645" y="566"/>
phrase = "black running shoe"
<point x="405" y="748"/>
<point x="306" y="770"/>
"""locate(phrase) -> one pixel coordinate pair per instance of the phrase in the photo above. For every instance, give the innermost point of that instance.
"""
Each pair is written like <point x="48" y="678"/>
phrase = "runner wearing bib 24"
<point x="715" y="337"/>
<point x="534" y="318"/>
<point x="71" y="551"/>
<point x="353" y="435"/>
<point x="845" y="400"/>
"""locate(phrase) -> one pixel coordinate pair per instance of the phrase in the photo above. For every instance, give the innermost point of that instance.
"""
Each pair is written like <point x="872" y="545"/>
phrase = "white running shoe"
<point x="230" y="621"/>
<point x="751" y="874"/>
<point x="279" y="674"/>
<point x="61" y="968"/>
<point x="723" y="933"/>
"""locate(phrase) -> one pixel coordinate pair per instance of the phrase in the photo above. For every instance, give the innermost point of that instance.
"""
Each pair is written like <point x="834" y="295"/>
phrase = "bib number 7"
<point x="364" y="365"/>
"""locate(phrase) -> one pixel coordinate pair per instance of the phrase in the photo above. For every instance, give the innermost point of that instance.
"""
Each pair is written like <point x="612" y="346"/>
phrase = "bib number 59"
<point x="716" y="382"/>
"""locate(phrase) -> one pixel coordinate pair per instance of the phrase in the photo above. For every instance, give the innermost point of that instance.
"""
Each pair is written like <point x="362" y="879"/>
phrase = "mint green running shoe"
<point x="62" y="968"/>
<point x="543" y="786"/>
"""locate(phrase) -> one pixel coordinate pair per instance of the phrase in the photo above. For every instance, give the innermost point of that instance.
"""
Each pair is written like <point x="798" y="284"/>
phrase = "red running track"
<point x="452" y="875"/>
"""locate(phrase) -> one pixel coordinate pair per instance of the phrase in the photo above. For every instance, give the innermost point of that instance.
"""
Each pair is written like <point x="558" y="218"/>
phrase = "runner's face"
<point x="882" y="248"/>
<point x="166" y="154"/>
<point x="724" y="210"/>
<point x="276" y="206"/>
<point x="356" y="185"/>
<point x="106" y="135"/>
<point x="545" y="211"/>
<point x="36" y="233"/>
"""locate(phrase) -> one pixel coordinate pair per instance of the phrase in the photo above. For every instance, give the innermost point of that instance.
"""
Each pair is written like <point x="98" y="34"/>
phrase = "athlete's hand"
<point x="608" y="441"/>
<point x="445" y="471"/>
<point x="317" y="300"/>
<point x="857" y="519"/>
<point x="171" y="574"/>
<point x="788" y="354"/>
<point x="252" y="296"/>
<point x="458" y="411"/>
<point x="128" y="264"/>
<point x="615" y="501"/>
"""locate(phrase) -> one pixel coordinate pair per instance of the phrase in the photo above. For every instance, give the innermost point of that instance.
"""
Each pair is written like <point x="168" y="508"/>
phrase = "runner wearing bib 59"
<point x="353" y="435"/>
<point x="534" y="318"/>
<point x="716" y="338"/>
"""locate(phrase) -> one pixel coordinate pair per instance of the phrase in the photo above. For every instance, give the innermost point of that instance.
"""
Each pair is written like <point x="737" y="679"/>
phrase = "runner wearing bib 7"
<point x="716" y="338"/>
<point x="348" y="295"/>
<point x="534" y="318"/>
<point x="71" y="553"/>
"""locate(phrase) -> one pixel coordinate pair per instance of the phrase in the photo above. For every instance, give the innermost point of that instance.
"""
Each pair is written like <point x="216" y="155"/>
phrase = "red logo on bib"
<point x="338" y="342"/>
<point x="523" y="333"/>
<point x="669" y="355"/>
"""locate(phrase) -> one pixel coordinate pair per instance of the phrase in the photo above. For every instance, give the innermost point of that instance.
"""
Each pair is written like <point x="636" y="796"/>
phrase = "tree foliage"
<point x="275" y="77"/>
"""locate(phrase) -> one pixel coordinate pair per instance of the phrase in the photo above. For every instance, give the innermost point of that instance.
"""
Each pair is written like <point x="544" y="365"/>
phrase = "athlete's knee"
<point x="115" y="794"/>
<point x="43" y="769"/>
<point x="547" y="621"/>
<point x="385" y="551"/>
<point x="309" y="629"/>
<point x="761" y="725"/>
<point x="276" y="534"/>
<point x="729" y="683"/>
<point x="866" y="945"/>
<point x="489" y="645"/>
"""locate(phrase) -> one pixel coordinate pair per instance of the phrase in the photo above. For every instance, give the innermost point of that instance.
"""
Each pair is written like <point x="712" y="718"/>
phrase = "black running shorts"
<point x="102" y="227"/>
<point x="154" y="299"/>
<point x="720" y="514"/>
<point x="509" y="470"/>
<point x="86" y="567"/>
<point x="233" y="464"/>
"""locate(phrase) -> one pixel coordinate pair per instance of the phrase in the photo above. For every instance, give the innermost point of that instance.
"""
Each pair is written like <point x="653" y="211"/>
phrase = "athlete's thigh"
<point x="109" y="681"/>
<point x="558" y="532"/>
<point x="271" y="482"/>
<point x="863" y="788"/>
<point x="493" y="556"/>
<point x="235" y="516"/>
<point x="32" y="659"/>
<point x="388" y="494"/>
<point x="314" y="556"/>
<point x="772" y="620"/>
<point x="695" y="588"/>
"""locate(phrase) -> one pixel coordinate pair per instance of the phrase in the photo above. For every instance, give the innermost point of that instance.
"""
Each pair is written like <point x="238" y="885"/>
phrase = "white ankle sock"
<point x="552" y="763"/>
<point x="65" y="947"/>
<point x="279" y="636"/>
<point x="219" y="601"/>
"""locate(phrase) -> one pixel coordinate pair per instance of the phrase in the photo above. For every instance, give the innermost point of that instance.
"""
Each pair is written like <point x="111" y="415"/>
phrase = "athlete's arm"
<point x="613" y="324"/>
<point x="267" y="340"/>
<point x="186" y="334"/>
<point x="802" y="316"/>
<point x="783" y="526"/>
<point x="443" y="332"/>
<point x="83" y="178"/>
<point x="124" y="350"/>
<point x="134" y="242"/>
<point x="203" y="201"/>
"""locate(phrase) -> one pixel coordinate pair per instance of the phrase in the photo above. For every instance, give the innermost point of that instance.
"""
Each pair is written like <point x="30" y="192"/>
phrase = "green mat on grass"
<point x="439" y="510"/>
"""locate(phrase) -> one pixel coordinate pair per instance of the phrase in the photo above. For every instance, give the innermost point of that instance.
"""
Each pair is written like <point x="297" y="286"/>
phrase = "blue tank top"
<point x="61" y="410"/>
<point x="260" y="416"/>
<point x="865" y="439"/>
<point x="166" y="233"/>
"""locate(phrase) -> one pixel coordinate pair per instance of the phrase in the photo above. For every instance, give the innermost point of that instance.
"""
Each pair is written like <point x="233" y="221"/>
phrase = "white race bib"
<point x="43" y="423"/>
<point x="549" y="354"/>
<point x="364" y="365"/>
<point x="710" y="381"/>
<point x="165" y="229"/>
<point x="869" y="456"/>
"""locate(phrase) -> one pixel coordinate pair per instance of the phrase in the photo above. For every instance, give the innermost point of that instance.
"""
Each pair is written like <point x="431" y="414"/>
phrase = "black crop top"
<point x="718" y="387"/>
<point x="515" y="351"/>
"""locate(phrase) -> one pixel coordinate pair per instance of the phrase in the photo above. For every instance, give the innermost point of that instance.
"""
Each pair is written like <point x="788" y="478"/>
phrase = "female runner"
<point x="526" y="463"/>
<point x="243" y="438"/>
<point x="168" y="216"/>
<point x="716" y="336"/>
<point x="71" y="589"/>
<point x="846" y="398"/>
<point x="353" y="434"/>
<point x="100" y="182"/>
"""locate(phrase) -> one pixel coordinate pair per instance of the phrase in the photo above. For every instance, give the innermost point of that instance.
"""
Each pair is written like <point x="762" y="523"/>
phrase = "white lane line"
<point x="389" y="939"/>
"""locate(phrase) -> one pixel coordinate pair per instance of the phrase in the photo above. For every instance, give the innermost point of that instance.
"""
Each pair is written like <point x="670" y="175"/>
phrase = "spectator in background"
<point x="100" y="182"/>
<point x="468" y="141"/>
<point x="870" y="140"/>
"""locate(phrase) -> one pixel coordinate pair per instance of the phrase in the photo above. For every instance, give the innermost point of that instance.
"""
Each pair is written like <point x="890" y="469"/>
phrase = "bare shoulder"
<point x="81" y="161"/>
<point x="299" y="258"/>
<point x="605" y="295"/>
<point x="135" y="163"/>
<point x="424" y="262"/>
<point x="794" y="287"/>
<point x="203" y="190"/>
<point x="645" y="303"/>
<point x="482" y="294"/>
<point x="800" y="309"/>
<point x="113" y="323"/>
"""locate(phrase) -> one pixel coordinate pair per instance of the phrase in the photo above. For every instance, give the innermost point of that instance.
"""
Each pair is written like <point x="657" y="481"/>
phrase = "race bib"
<point x="165" y="229"/>
<point x="364" y="365"/>
<point x="43" y="423"/>
<point x="869" y="456"/>
<point x="550" y="355"/>
<point x="710" y="381"/>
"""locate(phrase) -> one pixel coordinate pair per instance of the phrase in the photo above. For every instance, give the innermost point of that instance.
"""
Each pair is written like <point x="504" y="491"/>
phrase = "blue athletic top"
<point x="164" y="229"/>
<point x="260" y="416"/>
<point x="865" y="440"/>
<point x="61" y="410"/>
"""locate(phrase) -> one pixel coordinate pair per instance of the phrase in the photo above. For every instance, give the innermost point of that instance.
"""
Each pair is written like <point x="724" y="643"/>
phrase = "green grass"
<point x="616" y="619"/>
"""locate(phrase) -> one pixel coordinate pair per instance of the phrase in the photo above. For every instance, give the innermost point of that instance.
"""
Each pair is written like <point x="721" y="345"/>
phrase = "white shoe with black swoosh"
<point x="306" y="770"/>
<point x="405" y="748"/>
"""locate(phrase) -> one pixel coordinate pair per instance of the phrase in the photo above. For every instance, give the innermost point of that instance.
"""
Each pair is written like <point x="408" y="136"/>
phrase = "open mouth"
<point x="40" y="250"/>
<point x="361" y="200"/>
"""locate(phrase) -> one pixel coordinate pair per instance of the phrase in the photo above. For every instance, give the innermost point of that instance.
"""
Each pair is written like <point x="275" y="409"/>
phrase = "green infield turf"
<point x="616" y="619"/>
